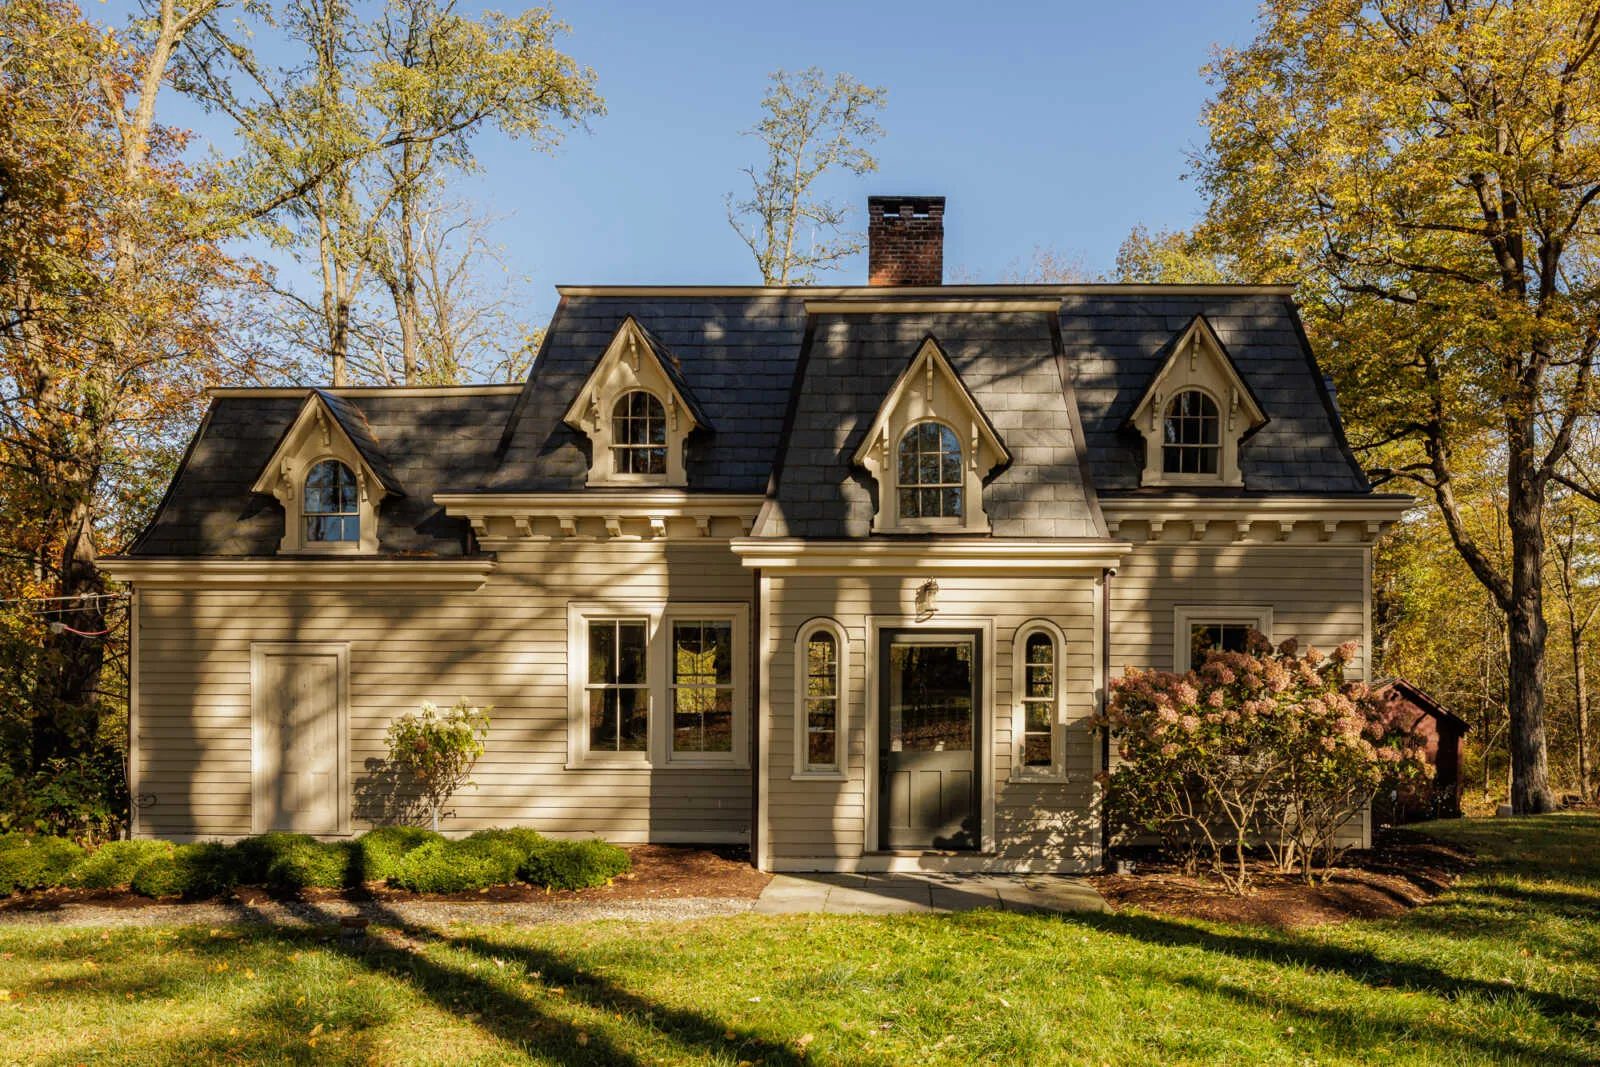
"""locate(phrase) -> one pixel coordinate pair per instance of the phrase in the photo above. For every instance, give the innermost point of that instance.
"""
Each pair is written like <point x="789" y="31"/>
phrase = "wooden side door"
<point x="298" y="698"/>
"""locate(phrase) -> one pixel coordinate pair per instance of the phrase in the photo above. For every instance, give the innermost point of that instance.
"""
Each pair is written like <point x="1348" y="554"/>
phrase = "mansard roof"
<point x="789" y="379"/>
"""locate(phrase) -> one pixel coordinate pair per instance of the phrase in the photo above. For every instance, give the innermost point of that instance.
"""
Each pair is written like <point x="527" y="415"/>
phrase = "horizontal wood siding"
<point x="1317" y="595"/>
<point x="504" y="645"/>
<point x="1038" y="825"/>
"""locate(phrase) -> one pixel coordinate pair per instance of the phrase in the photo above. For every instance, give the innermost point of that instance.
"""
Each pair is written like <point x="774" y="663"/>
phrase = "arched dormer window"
<point x="332" y="505"/>
<point x="1191" y="440"/>
<point x="639" y="434"/>
<point x="930" y="472"/>
<point x="1195" y="414"/>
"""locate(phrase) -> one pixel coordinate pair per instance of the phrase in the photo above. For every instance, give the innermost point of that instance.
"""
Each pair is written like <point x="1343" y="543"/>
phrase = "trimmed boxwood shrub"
<point x="574" y="864"/>
<point x="29" y="862"/>
<point x="488" y="857"/>
<point x="377" y="854"/>
<point x="296" y="861"/>
<point x="115" y="863"/>
<point x="199" y="870"/>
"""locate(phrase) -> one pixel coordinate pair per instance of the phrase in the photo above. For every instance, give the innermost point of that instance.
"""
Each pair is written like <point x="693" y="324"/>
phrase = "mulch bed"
<point x="1402" y="870"/>
<point x="660" y="872"/>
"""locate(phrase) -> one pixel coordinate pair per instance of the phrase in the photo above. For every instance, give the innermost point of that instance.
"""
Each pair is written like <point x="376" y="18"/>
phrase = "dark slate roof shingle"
<point x="737" y="355"/>
<point x="432" y="443"/>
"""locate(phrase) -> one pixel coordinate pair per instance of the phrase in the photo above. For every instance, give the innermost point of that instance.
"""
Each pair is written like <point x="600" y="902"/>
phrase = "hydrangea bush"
<point x="438" y="749"/>
<point x="1262" y="747"/>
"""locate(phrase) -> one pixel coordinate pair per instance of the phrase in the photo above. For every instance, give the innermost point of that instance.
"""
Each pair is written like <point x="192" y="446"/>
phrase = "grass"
<point x="1504" y="968"/>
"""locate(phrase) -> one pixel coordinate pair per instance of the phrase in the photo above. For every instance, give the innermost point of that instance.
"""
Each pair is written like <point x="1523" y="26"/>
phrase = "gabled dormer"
<point x="329" y="473"/>
<point x="1194" y="414"/>
<point x="929" y="448"/>
<point x="637" y="410"/>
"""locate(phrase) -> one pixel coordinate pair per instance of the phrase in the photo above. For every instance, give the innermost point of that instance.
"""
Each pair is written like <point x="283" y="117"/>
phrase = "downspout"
<point x="1105" y="693"/>
<point x="756" y="698"/>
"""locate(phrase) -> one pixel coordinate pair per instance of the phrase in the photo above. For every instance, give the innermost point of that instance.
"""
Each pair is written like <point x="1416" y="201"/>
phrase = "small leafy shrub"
<point x="299" y="861"/>
<point x="29" y="862"/>
<point x="437" y="750"/>
<point x="574" y="864"/>
<point x="1257" y="746"/>
<point x="490" y="857"/>
<point x="115" y="863"/>
<point x="204" y="869"/>
<point x="84" y="798"/>
<point x="377" y="854"/>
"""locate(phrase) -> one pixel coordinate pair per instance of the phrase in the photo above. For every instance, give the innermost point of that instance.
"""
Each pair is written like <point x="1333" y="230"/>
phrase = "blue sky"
<point x="1056" y="125"/>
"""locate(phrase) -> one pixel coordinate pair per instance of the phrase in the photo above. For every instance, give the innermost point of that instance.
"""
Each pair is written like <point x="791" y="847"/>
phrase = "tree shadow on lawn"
<point x="524" y="1021"/>
<point x="1575" y="1017"/>
<point x="1345" y="1029"/>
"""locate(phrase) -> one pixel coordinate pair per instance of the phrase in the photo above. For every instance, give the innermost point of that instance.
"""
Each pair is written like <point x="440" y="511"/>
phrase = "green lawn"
<point x="1504" y="968"/>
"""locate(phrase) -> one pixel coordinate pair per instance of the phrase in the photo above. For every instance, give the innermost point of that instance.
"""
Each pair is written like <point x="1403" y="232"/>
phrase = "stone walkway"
<point x="894" y="894"/>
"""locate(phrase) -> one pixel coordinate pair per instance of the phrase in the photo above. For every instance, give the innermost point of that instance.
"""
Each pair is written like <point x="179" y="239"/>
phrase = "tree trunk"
<point x="1530" y="769"/>
<point x="70" y="720"/>
<point x="1583" y="721"/>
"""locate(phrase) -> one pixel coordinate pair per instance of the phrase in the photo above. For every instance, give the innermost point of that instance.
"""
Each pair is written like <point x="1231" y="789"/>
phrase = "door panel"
<point x="928" y="744"/>
<point x="299" y="757"/>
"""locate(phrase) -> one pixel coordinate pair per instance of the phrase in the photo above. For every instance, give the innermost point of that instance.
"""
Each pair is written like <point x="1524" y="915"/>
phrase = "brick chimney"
<point x="905" y="240"/>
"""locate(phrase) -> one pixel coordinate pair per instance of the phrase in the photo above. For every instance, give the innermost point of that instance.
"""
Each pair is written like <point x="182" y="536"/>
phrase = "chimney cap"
<point x="904" y="206"/>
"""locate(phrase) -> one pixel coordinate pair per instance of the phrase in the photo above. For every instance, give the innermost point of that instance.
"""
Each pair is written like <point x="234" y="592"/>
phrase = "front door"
<point x="928" y="740"/>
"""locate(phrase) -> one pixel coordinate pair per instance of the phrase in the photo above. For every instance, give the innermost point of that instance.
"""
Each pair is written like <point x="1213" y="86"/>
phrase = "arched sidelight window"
<point x="332" y="503"/>
<point x="638" y="434"/>
<point x="821" y="716"/>
<point x="1037" y="677"/>
<point x="930" y="475"/>
<point x="1191" y="435"/>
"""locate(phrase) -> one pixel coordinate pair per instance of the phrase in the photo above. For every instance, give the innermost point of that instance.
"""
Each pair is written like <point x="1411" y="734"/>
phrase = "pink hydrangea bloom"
<point x="1191" y="723"/>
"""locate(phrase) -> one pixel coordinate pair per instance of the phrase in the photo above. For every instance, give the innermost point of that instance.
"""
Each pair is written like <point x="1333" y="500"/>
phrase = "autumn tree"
<point x="1170" y="257"/>
<point x="113" y="312"/>
<point x="810" y="126"/>
<point x="1431" y="173"/>
<point x="345" y="147"/>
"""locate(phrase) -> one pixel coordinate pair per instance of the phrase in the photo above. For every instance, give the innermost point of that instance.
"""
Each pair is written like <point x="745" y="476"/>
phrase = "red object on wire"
<point x="61" y="627"/>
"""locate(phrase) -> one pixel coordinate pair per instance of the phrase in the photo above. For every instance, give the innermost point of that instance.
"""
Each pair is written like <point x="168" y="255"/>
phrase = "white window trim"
<point x="929" y="390"/>
<point x="1197" y="363"/>
<point x="629" y="365"/>
<point x="314" y="437"/>
<point x="1057" y="771"/>
<point x="659" y="617"/>
<point x="1186" y="615"/>
<point x="802" y="768"/>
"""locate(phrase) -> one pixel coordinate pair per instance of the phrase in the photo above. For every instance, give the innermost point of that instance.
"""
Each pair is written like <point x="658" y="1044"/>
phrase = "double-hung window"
<point x="656" y="684"/>
<point x="821" y="722"/>
<point x="1199" y="630"/>
<point x="1038" y="728"/>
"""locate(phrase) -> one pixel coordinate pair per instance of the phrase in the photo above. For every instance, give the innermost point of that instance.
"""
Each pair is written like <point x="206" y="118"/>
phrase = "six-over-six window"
<point x="655" y="683"/>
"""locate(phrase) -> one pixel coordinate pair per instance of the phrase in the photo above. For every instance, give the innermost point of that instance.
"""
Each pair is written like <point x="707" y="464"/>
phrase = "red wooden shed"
<point x="1441" y="733"/>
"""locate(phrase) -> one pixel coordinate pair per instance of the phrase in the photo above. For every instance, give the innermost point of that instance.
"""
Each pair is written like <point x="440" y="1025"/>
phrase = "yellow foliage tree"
<point x="1431" y="172"/>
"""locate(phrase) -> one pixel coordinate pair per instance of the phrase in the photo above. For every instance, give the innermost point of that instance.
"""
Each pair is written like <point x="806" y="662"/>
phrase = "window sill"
<point x="820" y="776"/>
<point x="334" y="548"/>
<point x="689" y="763"/>
<point x="1039" y="778"/>
<point x="602" y="763"/>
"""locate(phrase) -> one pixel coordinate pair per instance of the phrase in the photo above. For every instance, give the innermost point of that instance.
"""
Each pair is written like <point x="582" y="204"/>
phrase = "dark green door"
<point x="928" y="740"/>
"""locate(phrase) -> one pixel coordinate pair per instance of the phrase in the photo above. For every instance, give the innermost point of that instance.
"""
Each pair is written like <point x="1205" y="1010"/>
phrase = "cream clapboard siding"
<point x="505" y="644"/>
<point x="821" y="824"/>
<point x="1317" y="595"/>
